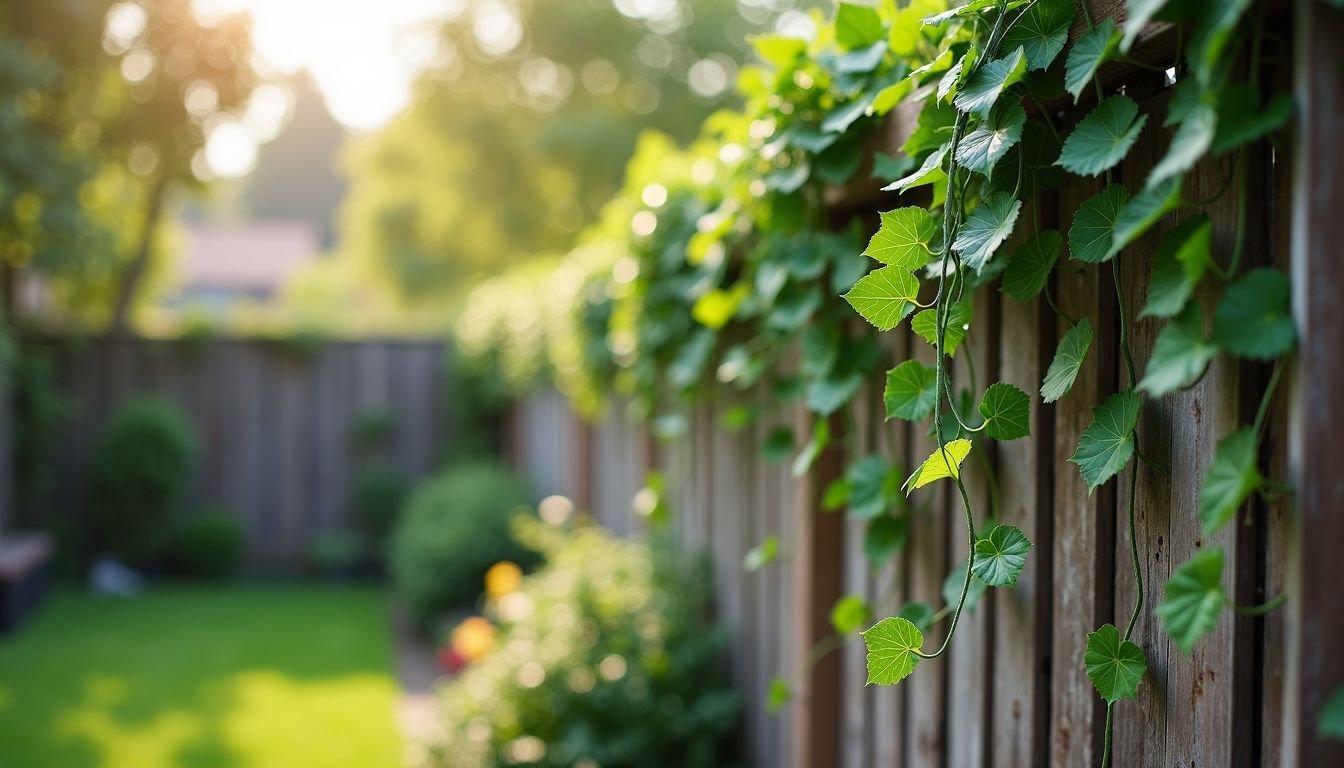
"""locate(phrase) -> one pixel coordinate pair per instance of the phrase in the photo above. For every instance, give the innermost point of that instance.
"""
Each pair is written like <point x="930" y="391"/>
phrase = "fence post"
<point x="1316" y="623"/>
<point x="817" y="574"/>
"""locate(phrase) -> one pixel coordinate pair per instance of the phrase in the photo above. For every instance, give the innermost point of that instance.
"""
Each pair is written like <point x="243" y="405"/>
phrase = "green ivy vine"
<point x="725" y="258"/>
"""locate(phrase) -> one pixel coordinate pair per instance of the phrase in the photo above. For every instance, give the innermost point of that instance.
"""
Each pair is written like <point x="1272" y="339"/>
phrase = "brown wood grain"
<point x="1020" y="704"/>
<point x="1316" y="666"/>
<point x="1084" y="522"/>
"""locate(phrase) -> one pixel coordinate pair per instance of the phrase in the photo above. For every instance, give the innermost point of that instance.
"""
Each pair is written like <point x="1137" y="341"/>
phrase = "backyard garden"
<point x="656" y="383"/>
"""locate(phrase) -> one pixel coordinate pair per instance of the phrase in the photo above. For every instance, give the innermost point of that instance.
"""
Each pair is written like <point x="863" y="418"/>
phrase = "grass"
<point x="250" y="676"/>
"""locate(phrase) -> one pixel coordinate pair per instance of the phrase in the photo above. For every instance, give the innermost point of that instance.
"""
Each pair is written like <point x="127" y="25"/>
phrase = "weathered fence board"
<point x="275" y="426"/>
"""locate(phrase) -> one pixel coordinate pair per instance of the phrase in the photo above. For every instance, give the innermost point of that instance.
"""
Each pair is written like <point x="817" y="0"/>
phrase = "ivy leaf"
<point x="936" y="467"/>
<point x="1092" y="50"/>
<point x="953" y="78"/>
<point x="891" y="166"/>
<point x="849" y="614"/>
<point x="1180" y="353"/>
<point x="1331" y="722"/>
<point x="903" y="239"/>
<point x="983" y="88"/>
<point x="1182" y="257"/>
<point x="761" y="555"/>
<point x="777" y="50"/>
<point x="958" y="321"/>
<point x="839" y="119"/>
<point x="1030" y="265"/>
<point x="821" y="437"/>
<point x="884" y="296"/>
<point x="715" y="308"/>
<point x="884" y="537"/>
<point x="1000" y="556"/>
<point x="986" y="228"/>
<point x="891" y="644"/>
<point x="1144" y="210"/>
<point x="779" y="694"/>
<point x="929" y="171"/>
<point x="1006" y="411"/>
<point x="1137" y="15"/>
<point x="992" y="138"/>
<point x="857" y="26"/>
<point x="1194" y="598"/>
<point x="1108" y="442"/>
<point x="1191" y="141"/>
<point x="871" y="485"/>
<point x="952" y="588"/>
<point x="1093" y="229"/>
<point x="1041" y="32"/>
<point x="1232" y="478"/>
<point x="975" y="6"/>
<point x="1103" y="138"/>
<point x="1068" y="359"/>
<point x="911" y="391"/>
<point x="1212" y="28"/>
<point x="826" y="395"/>
<point x="1114" y="666"/>
<point x="940" y="63"/>
<point x="836" y="494"/>
<point x="1241" y="119"/>
<point x="862" y="60"/>
<point x="1253" y="317"/>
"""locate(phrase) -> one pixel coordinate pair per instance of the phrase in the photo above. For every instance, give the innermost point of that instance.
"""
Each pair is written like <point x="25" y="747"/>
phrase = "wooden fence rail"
<point x="1013" y="691"/>
<point x="275" y="423"/>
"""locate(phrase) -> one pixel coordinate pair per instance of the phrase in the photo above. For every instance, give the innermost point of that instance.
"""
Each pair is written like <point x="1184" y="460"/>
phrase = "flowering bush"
<point x="602" y="657"/>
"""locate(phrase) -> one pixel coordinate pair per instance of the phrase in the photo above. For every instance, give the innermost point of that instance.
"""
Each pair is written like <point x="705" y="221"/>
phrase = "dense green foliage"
<point x="453" y="528"/>
<point x="734" y="261"/>
<point x="204" y="545"/>
<point x="138" y="475"/>
<point x="380" y="492"/>
<point x="188" y="677"/>
<point x="603" y="657"/>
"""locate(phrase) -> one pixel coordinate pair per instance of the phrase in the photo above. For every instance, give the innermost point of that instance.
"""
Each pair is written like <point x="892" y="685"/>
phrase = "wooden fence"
<point x="276" y="424"/>
<point x="1013" y="691"/>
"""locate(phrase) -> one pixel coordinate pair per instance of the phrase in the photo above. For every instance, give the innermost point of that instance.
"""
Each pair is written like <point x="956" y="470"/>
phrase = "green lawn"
<point x="202" y="677"/>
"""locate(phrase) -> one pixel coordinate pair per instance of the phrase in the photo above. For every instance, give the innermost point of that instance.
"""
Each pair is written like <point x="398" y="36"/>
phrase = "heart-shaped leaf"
<point x="1029" y="267"/>
<point x="1253" y="319"/>
<point x="891" y="644"/>
<point x="1232" y="477"/>
<point x="1068" y="360"/>
<point x="1193" y="599"/>
<point x="1103" y="138"/>
<point x="1180" y="353"/>
<point x="1000" y="556"/>
<point x="911" y="391"/>
<point x="958" y="322"/>
<point x="1114" y="666"/>
<point x="1006" y="411"/>
<point x="986" y="228"/>
<point x="884" y="296"/>
<point x="1092" y="50"/>
<point x="903" y="238"/>
<point x="943" y="462"/>
<point x="1108" y="442"/>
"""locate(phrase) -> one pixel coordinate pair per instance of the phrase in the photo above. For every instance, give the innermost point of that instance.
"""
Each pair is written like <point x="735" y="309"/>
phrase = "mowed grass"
<point x="202" y="677"/>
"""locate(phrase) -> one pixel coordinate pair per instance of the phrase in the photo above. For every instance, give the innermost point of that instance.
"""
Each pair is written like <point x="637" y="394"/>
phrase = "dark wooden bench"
<point x="24" y="564"/>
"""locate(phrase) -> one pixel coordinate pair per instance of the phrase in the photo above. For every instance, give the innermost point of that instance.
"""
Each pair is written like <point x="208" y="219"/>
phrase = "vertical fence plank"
<point x="971" y="663"/>
<point x="1316" y="667"/>
<point x="1084" y="522"/>
<point x="1020" y="705"/>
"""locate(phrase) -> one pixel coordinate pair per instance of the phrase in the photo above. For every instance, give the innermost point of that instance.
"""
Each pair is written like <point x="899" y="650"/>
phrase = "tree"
<point x="183" y="75"/>
<point x="519" y="132"/>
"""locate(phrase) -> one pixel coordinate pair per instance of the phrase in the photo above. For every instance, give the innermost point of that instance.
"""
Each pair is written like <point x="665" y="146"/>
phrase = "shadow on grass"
<point x="255" y="676"/>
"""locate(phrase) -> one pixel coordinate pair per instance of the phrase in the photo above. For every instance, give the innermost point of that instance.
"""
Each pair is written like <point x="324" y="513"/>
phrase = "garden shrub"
<point x="139" y="472"/>
<point x="204" y="545"/>
<point x="452" y="529"/>
<point x="380" y="492"/>
<point x="603" y="657"/>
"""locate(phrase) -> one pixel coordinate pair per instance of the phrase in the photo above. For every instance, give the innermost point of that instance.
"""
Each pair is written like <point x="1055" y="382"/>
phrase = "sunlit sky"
<point x="363" y="54"/>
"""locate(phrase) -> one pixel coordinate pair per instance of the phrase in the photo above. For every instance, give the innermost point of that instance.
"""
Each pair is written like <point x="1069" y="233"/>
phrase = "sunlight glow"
<point x="363" y="54"/>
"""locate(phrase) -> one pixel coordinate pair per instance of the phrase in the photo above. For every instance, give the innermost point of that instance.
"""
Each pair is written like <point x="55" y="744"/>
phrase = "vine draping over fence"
<point x="726" y="256"/>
